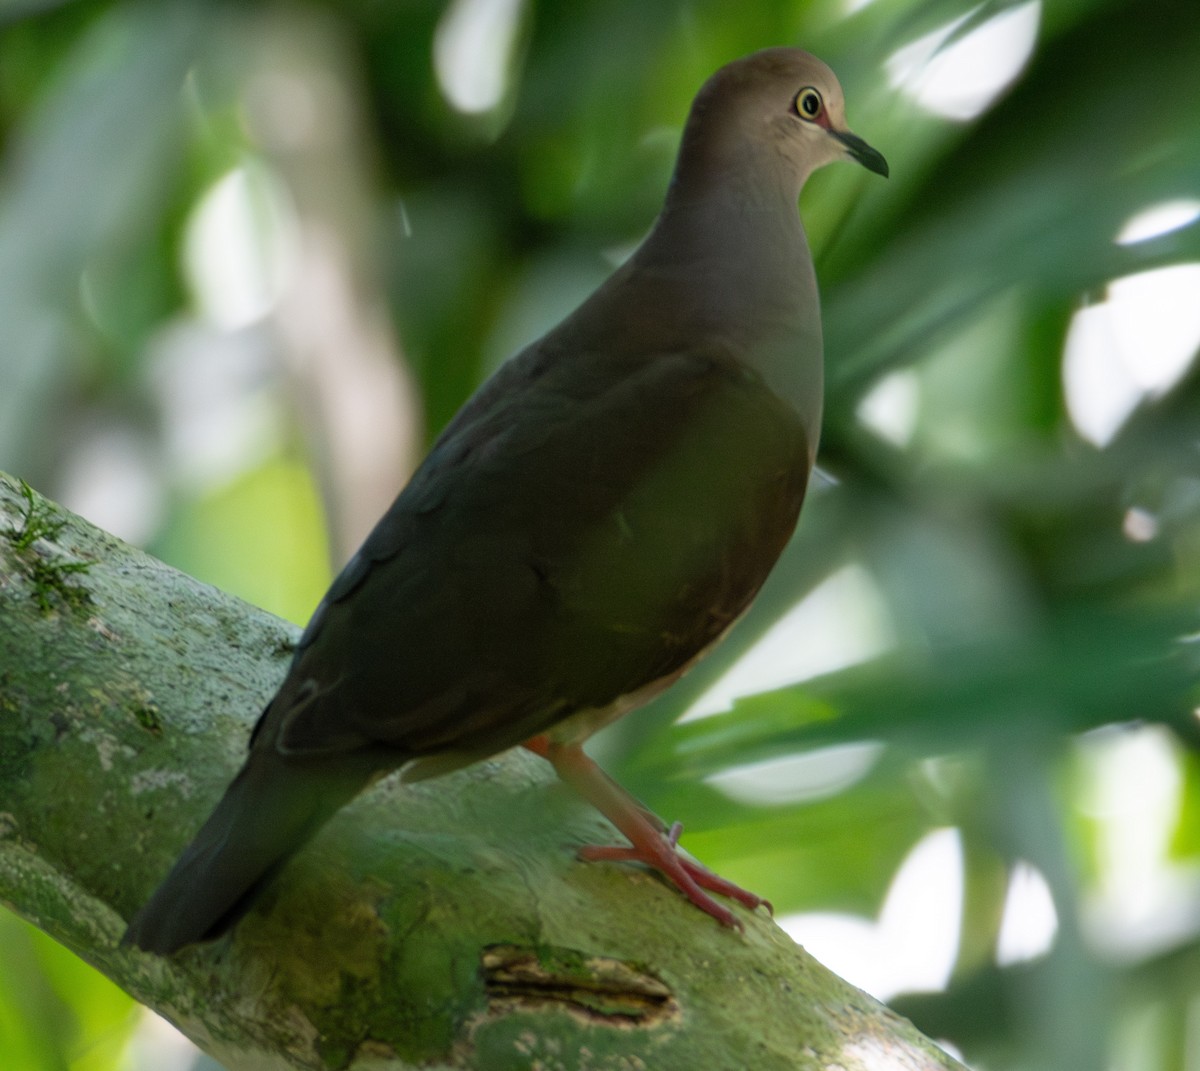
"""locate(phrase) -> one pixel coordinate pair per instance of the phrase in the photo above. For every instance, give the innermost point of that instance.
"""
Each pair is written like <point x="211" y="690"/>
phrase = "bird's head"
<point x="779" y="110"/>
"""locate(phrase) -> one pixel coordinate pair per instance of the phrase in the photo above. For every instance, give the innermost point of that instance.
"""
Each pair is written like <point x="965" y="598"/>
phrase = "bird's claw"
<point x="685" y="874"/>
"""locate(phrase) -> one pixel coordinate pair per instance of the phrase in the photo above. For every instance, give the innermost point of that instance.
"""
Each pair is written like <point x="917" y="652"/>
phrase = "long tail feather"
<point x="268" y="812"/>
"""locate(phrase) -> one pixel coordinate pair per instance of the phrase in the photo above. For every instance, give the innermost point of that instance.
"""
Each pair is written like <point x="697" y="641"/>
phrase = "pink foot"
<point x="650" y="842"/>
<point x="701" y="875"/>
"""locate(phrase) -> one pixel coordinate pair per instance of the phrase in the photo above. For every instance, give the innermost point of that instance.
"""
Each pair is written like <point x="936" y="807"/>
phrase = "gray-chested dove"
<point x="591" y="522"/>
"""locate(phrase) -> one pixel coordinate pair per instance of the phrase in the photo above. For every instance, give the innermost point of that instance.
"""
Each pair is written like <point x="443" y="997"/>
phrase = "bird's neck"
<point x="732" y="259"/>
<point x="743" y="223"/>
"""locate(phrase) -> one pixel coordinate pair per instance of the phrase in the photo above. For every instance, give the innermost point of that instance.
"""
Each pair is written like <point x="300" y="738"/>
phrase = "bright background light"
<point x="473" y="52"/>
<point x="841" y="621"/>
<point x="1141" y="339"/>
<point x="960" y="77"/>
<point x="912" y="946"/>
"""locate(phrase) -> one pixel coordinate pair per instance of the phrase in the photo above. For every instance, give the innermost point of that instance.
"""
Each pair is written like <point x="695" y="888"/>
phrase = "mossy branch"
<point x="442" y="925"/>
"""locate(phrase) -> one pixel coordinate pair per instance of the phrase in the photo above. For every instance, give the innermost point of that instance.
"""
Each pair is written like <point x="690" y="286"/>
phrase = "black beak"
<point x="860" y="151"/>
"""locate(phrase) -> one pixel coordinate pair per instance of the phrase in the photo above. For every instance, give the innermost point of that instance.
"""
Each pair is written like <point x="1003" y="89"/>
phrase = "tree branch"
<point x="444" y="924"/>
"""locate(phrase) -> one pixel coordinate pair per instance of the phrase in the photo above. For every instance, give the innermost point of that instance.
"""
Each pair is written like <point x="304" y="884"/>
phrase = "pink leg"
<point x="650" y="842"/>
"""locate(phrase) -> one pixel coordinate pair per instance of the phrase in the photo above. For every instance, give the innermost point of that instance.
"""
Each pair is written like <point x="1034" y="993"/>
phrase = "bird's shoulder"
<point x="557" y="401"/>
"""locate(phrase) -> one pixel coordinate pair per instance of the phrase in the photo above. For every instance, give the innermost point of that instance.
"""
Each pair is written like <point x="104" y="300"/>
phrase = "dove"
<point x="592" y="521"/>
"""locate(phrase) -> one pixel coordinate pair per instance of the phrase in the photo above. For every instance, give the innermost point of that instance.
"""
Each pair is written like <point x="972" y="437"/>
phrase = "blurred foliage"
<point x="1037" y="591"/>
<point x="55" y="1011"/>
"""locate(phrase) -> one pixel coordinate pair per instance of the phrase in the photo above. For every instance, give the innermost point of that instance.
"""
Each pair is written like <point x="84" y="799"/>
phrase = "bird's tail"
<point x="269" y="810"/>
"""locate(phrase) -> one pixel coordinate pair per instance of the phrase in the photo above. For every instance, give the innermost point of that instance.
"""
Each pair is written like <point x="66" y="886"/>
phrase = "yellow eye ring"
<point x="808" y="104"/>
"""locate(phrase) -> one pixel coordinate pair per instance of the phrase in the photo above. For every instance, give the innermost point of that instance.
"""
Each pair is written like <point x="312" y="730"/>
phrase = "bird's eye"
<point x="808" y="103"/>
